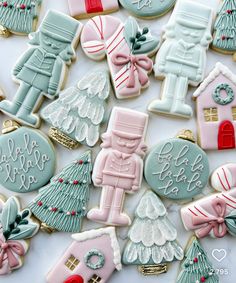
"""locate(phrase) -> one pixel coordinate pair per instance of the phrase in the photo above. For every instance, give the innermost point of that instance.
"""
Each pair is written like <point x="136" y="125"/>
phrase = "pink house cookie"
<point x="89" y="8"/>
<point x="91" y="258"/>
<point x="127" y="48"/>
<point x="224" y="177"/>
<point x="214" y="215"/>
<point x="118" y="168"/>
<point x="216" y="109"/>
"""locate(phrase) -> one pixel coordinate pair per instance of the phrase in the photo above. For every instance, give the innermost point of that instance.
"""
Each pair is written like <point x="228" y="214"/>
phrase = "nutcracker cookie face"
<point x="177" y="169"/>
<point x="18" y="17"/>
<point x="16" y="227"/>
<point x="27" y="158"/>
<point x="76" y="116"/>
<point x="81" y="9"/>
<point x="118" y="167"/>
<point x="92" y="257"/>
<point x="214" y="215"/>
<point x="148" y="9"/>
<point x="182" y="58"/>
<point x="216" y="109"/>
<point x="126" y="47"/>
<point x="41" y="70"/>
<point x="223" y="178"/>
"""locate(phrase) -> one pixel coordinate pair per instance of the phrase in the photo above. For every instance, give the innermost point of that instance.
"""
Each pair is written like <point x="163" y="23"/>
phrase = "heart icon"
<point x="219" y="254"/>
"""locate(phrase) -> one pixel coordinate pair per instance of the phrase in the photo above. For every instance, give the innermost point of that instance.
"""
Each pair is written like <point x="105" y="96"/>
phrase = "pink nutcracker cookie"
<point x="126" y="47"/>
<point x="91" y="258"/>
<point x="214" y="215"/>
<point x="224" y="177"/>
<point x="118" y="168"/>
<point x="88" y="8"/>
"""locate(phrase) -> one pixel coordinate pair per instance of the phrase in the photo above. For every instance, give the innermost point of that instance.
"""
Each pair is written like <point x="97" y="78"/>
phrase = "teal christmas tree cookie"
<point x="177" y="168"/>
<point x="62" y="204"/>
<point x="18" y="16"/>
<point x="75" y="117"/>
<point x="148" y="8"/>
<point x="152" y="237"/>
<point x="27" y="158"/>
<point x="224" y="38"/>
<point x="196" y="266"/>
<point x="16" y="227"/>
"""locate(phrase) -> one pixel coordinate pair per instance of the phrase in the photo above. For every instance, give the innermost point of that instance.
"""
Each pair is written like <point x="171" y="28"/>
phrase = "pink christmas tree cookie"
<point x="118" y="168"/>
<point x="91" y="258"/>
<point x="214" y="215"/>
<point x="224" y="177"/>
<point x="88" y="8"/>
<point x="127" y="48"/>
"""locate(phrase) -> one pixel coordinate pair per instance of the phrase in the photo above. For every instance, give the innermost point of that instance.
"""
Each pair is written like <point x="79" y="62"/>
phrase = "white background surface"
<point x="46" y="249"/>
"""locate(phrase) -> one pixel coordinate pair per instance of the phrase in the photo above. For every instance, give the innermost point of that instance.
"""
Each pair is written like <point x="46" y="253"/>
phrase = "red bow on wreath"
<point x="215" y="223"/>
<point x="140" y="63"/>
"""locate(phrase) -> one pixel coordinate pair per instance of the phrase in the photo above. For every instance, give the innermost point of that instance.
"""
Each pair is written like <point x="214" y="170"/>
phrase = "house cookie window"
<point x="72" y="262"/>
<point x="95" y="279"/>
<point x="234" y="113"/>
<point x="211" y="114"/>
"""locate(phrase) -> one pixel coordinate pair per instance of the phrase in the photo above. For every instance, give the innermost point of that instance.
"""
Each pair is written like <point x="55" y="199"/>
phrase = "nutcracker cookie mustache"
<point x="181" y="59"/>
<point x="41" y="69"/>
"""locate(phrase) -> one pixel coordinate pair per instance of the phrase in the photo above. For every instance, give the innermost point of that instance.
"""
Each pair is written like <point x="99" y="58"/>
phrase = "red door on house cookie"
<point x="226" y="135"/>
<point x="74" y="279"/>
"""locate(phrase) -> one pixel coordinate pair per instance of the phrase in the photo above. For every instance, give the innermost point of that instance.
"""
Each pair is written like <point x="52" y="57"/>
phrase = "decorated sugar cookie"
<point x="118" y="168"/>
<point x="92" y="257"/>
<point x="182" y="58"/>
<point x="126" y="47"/>
<point x="224" y="177"/>
<point x="77" y="114"/>
<point x="18" y="16"/>
<point x="196" y="266"/>
<point x="224" y="29"/>
<point x="152" y="238"/>
<point x="16" y="227"/>
<point x="177" y="168"/>
<point x="216" y="109"/>
<point x="27" y="158"/>
<point x="89" y="8"/>
<point x="42" y="68"/>
<point x="148" y="9"/>
<point x="214" y="215"/>
<point x="62" y="204"/>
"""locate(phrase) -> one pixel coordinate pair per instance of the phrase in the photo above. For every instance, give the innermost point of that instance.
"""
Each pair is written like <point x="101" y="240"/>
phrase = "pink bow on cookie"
<point x="215" y="223"/>
<point x="10" y="248"/>
<point x="139" y="63"/>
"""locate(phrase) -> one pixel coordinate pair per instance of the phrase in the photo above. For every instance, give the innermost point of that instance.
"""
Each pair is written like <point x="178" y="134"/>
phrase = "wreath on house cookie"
<point x="217" y="95"/>
<point x="94" y="265"/>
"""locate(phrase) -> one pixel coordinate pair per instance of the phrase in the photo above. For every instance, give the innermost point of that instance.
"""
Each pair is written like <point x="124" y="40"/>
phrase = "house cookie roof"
<point x="92" y="234"/>
<point x="219" y="69"/>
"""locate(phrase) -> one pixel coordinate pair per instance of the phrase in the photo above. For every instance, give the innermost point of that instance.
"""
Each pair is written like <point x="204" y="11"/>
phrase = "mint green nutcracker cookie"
<point x="27" y="158"/>
<point x="18" y="16"/>
<point x="42" y="68"/>
<point x="177" y="168"/>
<point x="148" y="8"/>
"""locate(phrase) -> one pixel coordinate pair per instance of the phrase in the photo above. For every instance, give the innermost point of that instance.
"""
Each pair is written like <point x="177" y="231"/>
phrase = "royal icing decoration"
<point x="92" y="257"/>
<point x="182" y="57"/>
<point x="18" y="16"/>
<point x="152" y="237"/>
<point x="148" y="8"/>
<point x="196" y="267"/>
<point x="77" y="114"/>
<point x="127" y="48"/>
<point x="27" y="158"/>
<point x="62" y="204"/>
<point x="177" y="168"/>
<point x="42" y="68"/>
<point x="224" y="28"/>
<point x="89" y="8"/>
<point x="16" y="227"/>
<point x="216" y="109"/>
<point x="223" y="178"/>
<point x="118" y="167"/>
<point x="214" y="215"/>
